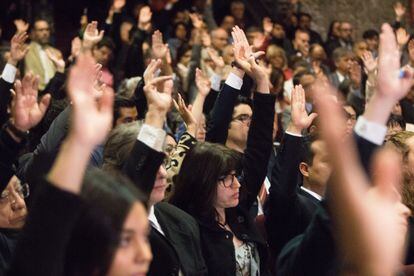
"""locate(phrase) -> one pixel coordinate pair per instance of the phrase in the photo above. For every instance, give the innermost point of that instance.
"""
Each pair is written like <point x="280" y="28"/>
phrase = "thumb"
<point x="44" y="103"/>
<point x="312" y="117"/>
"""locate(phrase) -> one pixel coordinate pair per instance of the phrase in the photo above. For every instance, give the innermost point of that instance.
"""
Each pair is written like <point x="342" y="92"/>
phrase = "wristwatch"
<point x="16" y="132"/>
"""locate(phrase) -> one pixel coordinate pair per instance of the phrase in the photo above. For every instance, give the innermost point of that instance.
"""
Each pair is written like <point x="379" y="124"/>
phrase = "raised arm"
<point x="57" y="206"/>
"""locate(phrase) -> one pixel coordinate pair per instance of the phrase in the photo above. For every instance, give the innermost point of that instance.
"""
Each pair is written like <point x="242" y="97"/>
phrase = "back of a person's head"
<point x="96" y="235"/>
<point x="370" y="34"/>
<point x="106" y="42"/>
<point x="119" y="145"/>
<point x="196" y="184"/>
<point x="399" y="142"/>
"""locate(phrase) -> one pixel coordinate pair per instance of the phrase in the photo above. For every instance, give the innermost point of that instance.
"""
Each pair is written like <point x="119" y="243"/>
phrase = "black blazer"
<point x="288" y="209"/>
<point x="314" y="252"/>
<point x="181" y="230"/>
<point x="5" y="98"/>
<point x="217" y="243"/>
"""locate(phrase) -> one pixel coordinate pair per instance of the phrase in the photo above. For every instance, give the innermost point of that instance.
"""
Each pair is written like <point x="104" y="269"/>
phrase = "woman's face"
<point x="133" y="255"/>
<point x="228" y="191"/>
<point x="180" y="32"/>
<point x="277" y="61"/>
<point x="13" y="209"/>
<point x="201" y="130"/>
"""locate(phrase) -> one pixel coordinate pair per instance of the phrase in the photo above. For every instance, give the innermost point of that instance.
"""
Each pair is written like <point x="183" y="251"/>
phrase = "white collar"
<point x="154" y="221"/>
<point x="312" y="193"/>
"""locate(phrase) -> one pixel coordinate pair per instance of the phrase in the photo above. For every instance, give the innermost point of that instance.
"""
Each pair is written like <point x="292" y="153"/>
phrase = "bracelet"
<point x="18" y="133"/>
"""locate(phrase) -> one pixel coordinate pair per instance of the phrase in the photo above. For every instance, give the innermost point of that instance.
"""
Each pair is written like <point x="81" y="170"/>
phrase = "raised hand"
<point x="242" y="50"/>
<point x="92" y="35"/>
<point x="159" y="49"/>
<point x="145" y="16"/>
<point x="399" y="10"/>
<point x="217" y="60"/>
<point x="402" y="37"/>
<point x="300" y="119"/>
<point x="206" y="39"/>
<point x="26" y="111"/>
<point x="117" y="5"/>
<point x="159" y="101"/>
<point x="56" y="59"/>
<point x="91" y="118"/>
<point x="18" y="49"/>
<point x="21" y="26"/>
<point x="370" y="64"/>
<point x="390" y="83"/>
<point x="375" y="243"/>
<point x="196" y="20"/>
<point x="186" y="114"/>
<point x="267" y="25"/>
<point x="203" y="83"/>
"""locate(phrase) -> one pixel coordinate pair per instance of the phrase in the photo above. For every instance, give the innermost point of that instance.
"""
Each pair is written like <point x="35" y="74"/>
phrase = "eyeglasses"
<point x="228" y="180"/>
<point x="244" y="118"/>
<point x="23" y="191"/>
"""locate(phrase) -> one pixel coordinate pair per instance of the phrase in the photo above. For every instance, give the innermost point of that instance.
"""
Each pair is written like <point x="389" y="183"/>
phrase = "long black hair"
<point x="195" y="187"/>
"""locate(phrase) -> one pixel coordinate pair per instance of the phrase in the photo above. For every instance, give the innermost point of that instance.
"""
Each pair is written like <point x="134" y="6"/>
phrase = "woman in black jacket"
<point x="218" y="186"/>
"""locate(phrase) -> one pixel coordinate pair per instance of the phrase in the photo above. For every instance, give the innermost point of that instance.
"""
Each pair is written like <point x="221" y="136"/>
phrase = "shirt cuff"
<point x="9" y="73"/>
<point x="215" y="80"/>
<point x="293" y="134"/>
<point x="234" y="81"/>
<point x="373" y="132"/>
<point x="153" y="137"/>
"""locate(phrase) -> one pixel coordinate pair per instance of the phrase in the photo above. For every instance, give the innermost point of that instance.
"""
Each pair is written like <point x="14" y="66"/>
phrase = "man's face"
<point x="240" y="124"/>
<point x="301" y="43"/>
<point x="372" y="43"/>
<point x="278" y="31"/>
<point x="219" y="39"/>
<point x="160" y="186"/>
<point x="41" y="32"/>
<point x="307" y="81"/>
<point x="360" y="48"/>
<point x="319" y="171"/>
<point x="305" y="22"/>
<point x="346" y="31"/>
<point x="126" y="115"/>
<point x="343" y="64"/>
<point x="13" y="209"/>
<point x="228" y="23"/>
<point x="351" y="118"/>
<point x="237" y="10"/>
<point x="102" y="55"/>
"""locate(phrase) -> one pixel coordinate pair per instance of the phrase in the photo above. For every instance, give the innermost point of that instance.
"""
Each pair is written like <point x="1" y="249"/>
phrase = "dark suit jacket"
<point x="181" y="230"/>
<point x="288" y="209"/>
<point x="5" y="98"/>
<point x="315" y="252"/>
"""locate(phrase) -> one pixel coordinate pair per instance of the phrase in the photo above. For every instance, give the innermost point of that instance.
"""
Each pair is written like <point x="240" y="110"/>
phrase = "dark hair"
<point x="396" y="120"/>
<point x="106" y="42"/>
<point x="119" y="103"/>
<point x="331" y="27"/>
<point x="298" y="76"/>
<point x="35" y="20"/>
<point x="186" y="27"/>
<point x="96" y="235"/>
<point x="195" y="187"/>
<point x="243" y="100"/>
<point x="368" y="34"/>
<point x="307" y="153"/>
<point x="302" y="14"/>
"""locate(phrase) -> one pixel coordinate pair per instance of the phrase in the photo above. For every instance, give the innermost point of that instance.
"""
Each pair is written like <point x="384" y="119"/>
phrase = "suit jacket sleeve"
<point x="42" y="244"/>
<point x="221" y="114"/>
<point x="259" y="146"/>
<point x="5" y="97"/>
<point x="142" y="166"/>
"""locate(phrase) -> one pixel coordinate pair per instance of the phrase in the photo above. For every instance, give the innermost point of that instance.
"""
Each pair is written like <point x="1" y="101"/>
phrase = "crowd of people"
<point x="167" y="143"/>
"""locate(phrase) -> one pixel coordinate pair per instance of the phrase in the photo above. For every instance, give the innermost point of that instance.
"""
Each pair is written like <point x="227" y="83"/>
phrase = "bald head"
<point x="219" y="38"/>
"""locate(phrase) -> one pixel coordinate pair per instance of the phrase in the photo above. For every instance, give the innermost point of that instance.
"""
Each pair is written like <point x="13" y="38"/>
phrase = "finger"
<point x="101" y="34"/>
<point x="160" y="79"/>
<point x="44" y="103"/>
<point x="35" y="84"/>
<point x="312" y="117"/>
<point x="258" y="54"/>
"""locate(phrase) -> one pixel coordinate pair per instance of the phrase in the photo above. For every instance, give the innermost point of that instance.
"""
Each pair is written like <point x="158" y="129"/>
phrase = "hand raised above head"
<point x="18" y="48"/>
<point x="92" y="35"/>
<point x="91" y="117"/>
<point x="26" y="111"/>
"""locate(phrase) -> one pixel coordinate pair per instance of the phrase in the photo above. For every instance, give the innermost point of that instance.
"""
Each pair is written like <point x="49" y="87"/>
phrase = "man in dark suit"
<point x="175" y="236"/>
<point x="292" y="202"/>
